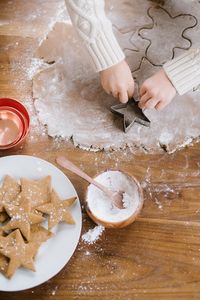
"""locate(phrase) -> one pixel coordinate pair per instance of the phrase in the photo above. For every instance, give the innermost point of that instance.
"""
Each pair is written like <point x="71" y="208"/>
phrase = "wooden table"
<point x="157" y="257"/>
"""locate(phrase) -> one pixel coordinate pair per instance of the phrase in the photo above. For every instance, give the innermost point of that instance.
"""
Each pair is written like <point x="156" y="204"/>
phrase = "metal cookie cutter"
<point x="131" y="113"/>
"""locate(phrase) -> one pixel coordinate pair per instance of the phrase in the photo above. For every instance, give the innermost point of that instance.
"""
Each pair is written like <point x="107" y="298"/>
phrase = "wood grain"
<point x="157" y="257"/>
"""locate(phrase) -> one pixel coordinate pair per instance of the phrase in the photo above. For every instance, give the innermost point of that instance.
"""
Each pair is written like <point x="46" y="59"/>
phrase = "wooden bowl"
<point x="121" y="223"/>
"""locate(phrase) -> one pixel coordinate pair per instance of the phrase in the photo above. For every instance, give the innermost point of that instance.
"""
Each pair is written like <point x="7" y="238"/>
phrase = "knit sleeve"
<point x="95" y="30"/>
<point x="184" y="71"/>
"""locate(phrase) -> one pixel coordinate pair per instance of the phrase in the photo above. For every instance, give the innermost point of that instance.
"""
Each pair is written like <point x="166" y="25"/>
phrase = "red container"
<point x="14" y="123"/>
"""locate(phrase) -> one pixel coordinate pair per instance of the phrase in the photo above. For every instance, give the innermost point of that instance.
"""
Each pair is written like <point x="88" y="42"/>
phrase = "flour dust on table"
<point x="93" y="235"/>
<point x="71" y="102"/>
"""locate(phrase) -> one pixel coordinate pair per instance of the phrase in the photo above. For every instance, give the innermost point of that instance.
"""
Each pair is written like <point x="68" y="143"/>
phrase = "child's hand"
<point x="157" y="91"/>
<point x="118" y="81"/>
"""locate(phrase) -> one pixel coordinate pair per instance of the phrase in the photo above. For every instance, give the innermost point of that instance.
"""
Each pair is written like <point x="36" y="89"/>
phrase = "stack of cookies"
<point x="23" y="208"/>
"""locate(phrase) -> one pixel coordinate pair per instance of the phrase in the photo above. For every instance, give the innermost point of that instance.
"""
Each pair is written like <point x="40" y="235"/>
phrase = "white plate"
<point x="56" y="252"/>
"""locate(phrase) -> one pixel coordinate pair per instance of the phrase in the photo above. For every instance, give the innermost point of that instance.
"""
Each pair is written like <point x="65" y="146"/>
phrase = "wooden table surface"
<point x="158" y="256"/>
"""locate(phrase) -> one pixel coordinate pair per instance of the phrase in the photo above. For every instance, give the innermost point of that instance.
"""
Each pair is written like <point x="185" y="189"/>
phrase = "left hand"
<point x="157" y="91"/>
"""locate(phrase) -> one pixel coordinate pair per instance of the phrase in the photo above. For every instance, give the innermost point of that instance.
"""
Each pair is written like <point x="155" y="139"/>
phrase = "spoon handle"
<point x="64" y="162"/>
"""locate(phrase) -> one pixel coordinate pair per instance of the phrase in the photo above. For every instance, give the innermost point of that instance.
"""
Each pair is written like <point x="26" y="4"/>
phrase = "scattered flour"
<point x="87" y="253"/>
<point x="34" y="67"/>
<point x="103" y="208"/>
<point x="165" y="137"/>
<point x="93" y="235"/>
<point x="53" y="292"/>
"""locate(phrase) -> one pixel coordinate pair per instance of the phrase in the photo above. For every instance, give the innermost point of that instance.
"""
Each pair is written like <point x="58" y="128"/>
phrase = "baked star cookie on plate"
<point x="42" y="183"/>
<point x="18" y="252"/>
<point x="36" y="191"/>
<point x="57" y="210"/>
<point x="9" y="191"/>
<point x="21" y="218"/>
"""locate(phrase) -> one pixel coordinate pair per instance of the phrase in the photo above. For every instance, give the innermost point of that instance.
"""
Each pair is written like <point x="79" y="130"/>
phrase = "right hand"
<point x="157" y="91"/>
<point x="118" y="81"/>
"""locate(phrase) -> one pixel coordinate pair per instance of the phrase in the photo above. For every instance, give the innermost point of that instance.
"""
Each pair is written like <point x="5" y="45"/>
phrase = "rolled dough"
<point x="69" y="98"/>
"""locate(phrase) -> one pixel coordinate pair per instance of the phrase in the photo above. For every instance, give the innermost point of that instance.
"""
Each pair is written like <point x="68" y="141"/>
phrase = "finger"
<point x="105" y="86"/>
<point x="108" y="92"/>
<point x="123" y="96"/>
<point x="145" y="97"/>
<point x="142" y="104"/>
<point x="143" y="90"/>
<point x="131" y="91"/>
<point x="150" y="104"/>
<point x="115" y="94"/>
<point x="160" y="105"/>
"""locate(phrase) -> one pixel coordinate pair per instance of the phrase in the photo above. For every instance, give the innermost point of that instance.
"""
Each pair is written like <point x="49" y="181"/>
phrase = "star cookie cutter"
<point x="131" y="113"/>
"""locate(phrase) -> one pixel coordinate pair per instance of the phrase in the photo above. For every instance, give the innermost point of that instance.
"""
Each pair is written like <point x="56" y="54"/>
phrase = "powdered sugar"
<point x="103" y="208"/>
<point x="93" y="235"/>
<point x="126" y="200"/>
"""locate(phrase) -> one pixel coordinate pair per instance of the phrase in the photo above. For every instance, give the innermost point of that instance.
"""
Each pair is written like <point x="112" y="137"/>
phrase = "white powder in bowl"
<point x="100" y="204"/>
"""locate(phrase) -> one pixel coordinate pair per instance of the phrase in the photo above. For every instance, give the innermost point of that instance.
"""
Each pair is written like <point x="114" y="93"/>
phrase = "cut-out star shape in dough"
<point x="131" y="113"/>
<point x="9" y="191"/>
<point x="165" y="41"/>
<point x="134" y="58"/>
<point x="36" y="191"/>
<point x="58" y="210"/>
<point x="125" y="39"/>
<point x="21" y="218"/>
<point x="20" y="253"/>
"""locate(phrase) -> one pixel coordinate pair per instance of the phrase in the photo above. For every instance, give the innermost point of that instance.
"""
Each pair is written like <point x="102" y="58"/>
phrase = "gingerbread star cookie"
<point x="21" y="218"/>
<point x="24" y="206"/>
<point x="3" y="263"/>
<point x="36" y="191"/>
<point x="21" y="254"/>
<point x="3" y="217"/>
<point x="58" y="210"/>
<point x="8" y="192"/>
<point x="5" y="242"/>
<point x="39" y="234"/>
<point x="3" y="259"/>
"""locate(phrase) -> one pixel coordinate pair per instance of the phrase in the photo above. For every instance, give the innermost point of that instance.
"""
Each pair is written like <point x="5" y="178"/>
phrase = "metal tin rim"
<point x="17" y="121"/>
<point x="21" y="111"/>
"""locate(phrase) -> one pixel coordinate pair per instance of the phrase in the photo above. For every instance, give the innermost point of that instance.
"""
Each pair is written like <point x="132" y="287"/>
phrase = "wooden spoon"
<point x="116" y="197"/>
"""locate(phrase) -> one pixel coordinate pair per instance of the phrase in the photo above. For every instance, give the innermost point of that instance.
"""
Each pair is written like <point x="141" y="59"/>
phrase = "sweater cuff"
<point x="104" y="50"/>
<point x="184" y="71"/>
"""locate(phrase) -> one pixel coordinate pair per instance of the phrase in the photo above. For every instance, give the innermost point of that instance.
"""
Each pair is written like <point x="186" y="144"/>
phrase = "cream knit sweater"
<point x="94" y="28"/>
